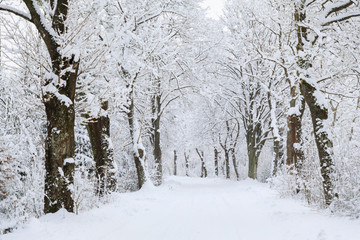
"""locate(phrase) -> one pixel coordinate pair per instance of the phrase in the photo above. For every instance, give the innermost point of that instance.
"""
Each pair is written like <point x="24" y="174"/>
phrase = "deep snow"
<point x="192" y="208"/>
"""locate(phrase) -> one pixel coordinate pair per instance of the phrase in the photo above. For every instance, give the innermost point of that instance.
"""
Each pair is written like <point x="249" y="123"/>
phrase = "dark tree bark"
<point x="60" y="148"/>
<point x="216" y="159"/>
<point x="323" y="143"/>
<point x="157" y="150"/>
<point x="253" y="163"/>
<point x="253" y="156"/>
<point x="318" y="113"/>
<point x="99" y="134"/>
<point x="155" y="134"/>
<point x="227" y="163"/>
<point x="175" y="162"/>
<point x="58" y="98"/>
<point x="294" y="150"/>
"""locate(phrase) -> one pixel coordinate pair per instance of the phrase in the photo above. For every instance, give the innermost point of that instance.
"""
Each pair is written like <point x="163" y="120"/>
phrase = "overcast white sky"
<point x="215" y="7"/>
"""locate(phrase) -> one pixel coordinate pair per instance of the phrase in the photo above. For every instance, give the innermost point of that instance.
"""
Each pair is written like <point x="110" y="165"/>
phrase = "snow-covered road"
<point x="197" y="209"/>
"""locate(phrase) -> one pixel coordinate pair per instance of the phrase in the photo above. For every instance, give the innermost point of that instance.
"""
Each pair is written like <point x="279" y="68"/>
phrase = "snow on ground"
<point x="197" y="209"/>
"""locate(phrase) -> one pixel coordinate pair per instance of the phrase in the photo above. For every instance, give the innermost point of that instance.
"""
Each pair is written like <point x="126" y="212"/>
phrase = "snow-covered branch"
<point x="17" y="12"/>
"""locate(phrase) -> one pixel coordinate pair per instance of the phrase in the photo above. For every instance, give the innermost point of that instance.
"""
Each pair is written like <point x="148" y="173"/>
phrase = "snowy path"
<point x="197" y="209"/>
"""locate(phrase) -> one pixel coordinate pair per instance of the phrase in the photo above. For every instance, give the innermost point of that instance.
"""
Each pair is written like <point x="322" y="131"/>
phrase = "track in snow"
<point x="196" y="209"/>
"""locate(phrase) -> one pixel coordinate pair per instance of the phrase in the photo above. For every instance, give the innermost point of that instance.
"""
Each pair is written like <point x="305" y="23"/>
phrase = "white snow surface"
<point x="192" y="208"/>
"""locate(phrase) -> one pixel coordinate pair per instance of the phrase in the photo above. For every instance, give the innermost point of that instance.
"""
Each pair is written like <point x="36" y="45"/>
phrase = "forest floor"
<point x="198" y="209"/>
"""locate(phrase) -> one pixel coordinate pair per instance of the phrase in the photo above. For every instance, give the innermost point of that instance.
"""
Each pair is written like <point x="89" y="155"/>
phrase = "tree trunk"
<point x="58" y="97"/>
<point x="294" y="149"/>
<point x="203" y="167"/>
<point x="60" y="143"/>
<point x="186" y="164"/>
<point x="279" y="155"/>
<point x="175" y="160"/>
<point x="233" y="157"/>
<point x="277" y="134"/>
<point x="227" y="163"/>
<point x="156" y="106"/>
<point x="140" y="169"/>
<point x="157" y="150"/>
<point x="216" y="159"/>
<point x="138" y="154"/>
<point x="324" y="145"/>
<point x="99" y="134"/>
<point x="253" y="162"/>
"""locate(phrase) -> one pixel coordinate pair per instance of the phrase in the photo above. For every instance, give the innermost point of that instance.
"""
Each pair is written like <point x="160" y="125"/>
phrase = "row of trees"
<point x="91" y="59"/>
<point x="295" y="47"/>
<point x="103" y="96"/>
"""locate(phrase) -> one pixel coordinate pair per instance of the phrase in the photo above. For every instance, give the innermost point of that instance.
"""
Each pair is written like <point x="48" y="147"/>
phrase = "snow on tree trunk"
<point x="319" y="114"/>
<point x="155" y="135"/>
<point x="138" y="153"/>
<point x="60" y="143"/>
<point x="203" y="167"/>
<point x="318" y="110"/>
<point x="99" y="134"/>
<point x="294" y="150"/>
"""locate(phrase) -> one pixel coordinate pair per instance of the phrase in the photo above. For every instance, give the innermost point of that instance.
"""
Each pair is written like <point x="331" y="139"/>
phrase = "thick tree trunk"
<point x="324" y="145"/>
<point x="253" y="162"/>
<point x="233" y="157"/>
<point x="294" y="149"/>
<point x="58" y="98"/>
<point x="99" y="134"/>
<point x="216" y="163"/>
<point x="60" y="144"/>
<point x="251" y="137"/>
<point x="140" y="169"/>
